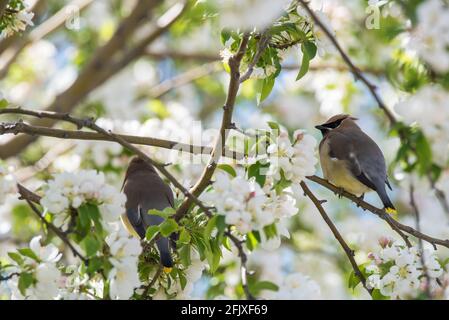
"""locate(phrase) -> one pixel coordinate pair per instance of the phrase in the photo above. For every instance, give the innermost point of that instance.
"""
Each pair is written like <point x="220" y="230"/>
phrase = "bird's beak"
<point x="321" y="127"/>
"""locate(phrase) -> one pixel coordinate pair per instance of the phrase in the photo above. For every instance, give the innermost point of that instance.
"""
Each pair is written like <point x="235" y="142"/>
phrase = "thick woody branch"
<point x="219" y="148"/>
<point x="349" y="252"/>
<point x="96" y="72"/>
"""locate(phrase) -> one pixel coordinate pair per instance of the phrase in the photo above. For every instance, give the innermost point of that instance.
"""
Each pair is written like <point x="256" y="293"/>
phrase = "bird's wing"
<point x="359" y="159"/>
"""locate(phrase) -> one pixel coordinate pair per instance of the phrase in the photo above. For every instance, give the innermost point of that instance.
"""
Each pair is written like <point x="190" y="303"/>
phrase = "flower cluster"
<point x="125" y="251"/>
<point x="435" y="124"/>
<point x="7" y="184"/>
<point x="297" y="286"/>
<point x="240" y="201"/>
<point x="39" y="276"/>
<point x="294" y="160"/>
<point x="429" y="40"/>
<point x="13" y="22"/>
<point x="73" y="189"/>
<point x="397" y="270"/>
<point x="246" y="205"/>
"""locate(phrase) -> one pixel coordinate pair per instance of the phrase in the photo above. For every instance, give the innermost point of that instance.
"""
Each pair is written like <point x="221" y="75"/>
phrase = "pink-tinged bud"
<point x="385" y="242"/>
<point x="251" y="195"/>
<point x="371" y="256"/>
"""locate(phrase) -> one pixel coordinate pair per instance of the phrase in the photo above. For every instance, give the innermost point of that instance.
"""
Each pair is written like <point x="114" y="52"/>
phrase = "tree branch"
<point x="31" y="198"/>
<point x="94" y="74"/>
<point x="243" y="268"/>
<point x="349" y="252"/>
<point x="356" y="71"/>
<point x="396" y="225"/>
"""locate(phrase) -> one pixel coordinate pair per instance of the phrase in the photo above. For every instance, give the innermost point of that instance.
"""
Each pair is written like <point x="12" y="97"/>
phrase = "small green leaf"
<point x="266" y="87"/>
<point x="210" y="227"/>
<point x="229" y="169"/>
<point x="151" y="233"/>
<point x="376" y="295"/>
<point x="308" y="53"/>
<point x="251" y="241"/>
<point x="166" y="213"/>
<point x="274" y="125"/>
<point x="27" y="252"/>
<point x="168" y="227"/>
<point x="16" y="257"/>
<point x="184" y="255"/>
<point x="255" y="169"/>
<point x="3" y="103"/>
<point x="265" y="285"/>
<point x="90" y="245"/>
<point x="184" y="236"/>
<point x="25" y="281"/>
<point x="353" y="280"/>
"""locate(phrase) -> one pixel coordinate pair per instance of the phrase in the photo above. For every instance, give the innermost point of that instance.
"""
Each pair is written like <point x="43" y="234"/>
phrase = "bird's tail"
<point x="389" y="207"/>
<point x="164" y="251"/>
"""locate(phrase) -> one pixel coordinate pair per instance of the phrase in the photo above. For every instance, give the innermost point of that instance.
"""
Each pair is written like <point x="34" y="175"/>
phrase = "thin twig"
<point x="243" y="268"/>
<point x="420" y="242"/>
<point x="349" y="252"/>
<point x="153" y="281"/>
<point x="381" y="213"/>
<point x="32" y="198"/>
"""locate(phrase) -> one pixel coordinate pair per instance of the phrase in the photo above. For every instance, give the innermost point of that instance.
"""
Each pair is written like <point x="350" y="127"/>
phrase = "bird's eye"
<point x="333" y="125"/>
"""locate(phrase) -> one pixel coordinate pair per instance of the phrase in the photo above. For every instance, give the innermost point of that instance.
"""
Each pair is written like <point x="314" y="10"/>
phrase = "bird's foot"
<point x="360" y="199"/>
<point x="339" y="192"/>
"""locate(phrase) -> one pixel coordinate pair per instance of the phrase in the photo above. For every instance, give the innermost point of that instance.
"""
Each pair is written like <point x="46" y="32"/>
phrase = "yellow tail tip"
<point x="391" y="210"/>
<point x="167" y="269"/>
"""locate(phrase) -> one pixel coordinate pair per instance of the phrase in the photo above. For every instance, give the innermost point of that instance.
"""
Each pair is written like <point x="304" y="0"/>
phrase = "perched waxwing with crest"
<point x="145" y="190"/>
<point x="351" y="160"/>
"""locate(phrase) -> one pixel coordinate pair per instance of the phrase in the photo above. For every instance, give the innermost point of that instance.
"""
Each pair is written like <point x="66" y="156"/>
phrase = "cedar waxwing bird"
<point x="145" y="190"/>
<point x="351" y="160"/>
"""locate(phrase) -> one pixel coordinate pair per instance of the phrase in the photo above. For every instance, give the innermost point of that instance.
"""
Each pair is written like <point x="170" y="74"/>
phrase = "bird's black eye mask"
<point x="325" y="128"/>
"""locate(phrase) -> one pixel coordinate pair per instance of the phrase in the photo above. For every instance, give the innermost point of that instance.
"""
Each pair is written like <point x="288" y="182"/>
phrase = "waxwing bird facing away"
<point x="145" y="190"/>
<point x="351" y="160"/>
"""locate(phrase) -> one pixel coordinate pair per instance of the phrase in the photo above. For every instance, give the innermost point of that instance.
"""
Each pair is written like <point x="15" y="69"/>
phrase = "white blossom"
<point x="297" y="286"/>
<point x="430" y="38"/>
<point x="435" y="124"/>
<point x="296" y="159"/>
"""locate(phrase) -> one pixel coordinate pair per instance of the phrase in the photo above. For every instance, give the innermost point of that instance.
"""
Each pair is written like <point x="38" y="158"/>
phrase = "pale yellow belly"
<point x="128" y="225"/>
<point x="336" y="172"/>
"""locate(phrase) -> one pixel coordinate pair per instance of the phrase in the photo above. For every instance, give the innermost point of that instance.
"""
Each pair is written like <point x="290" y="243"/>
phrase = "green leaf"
<point x="27" y="252"/>
<point x="25" y="281"/>
<point x="151" y="233"/>
<point x="255" y="169"/>
<point x="90" y="245"/>
<point x="353" y="280"/>
<point x="265" y="285"/>
<point x="376" y="295"/>
<point x="3" y="103"/>
<point x="229" y="169"/>
<point x="211" y="224"/>
<point x="168" y="227"/>
<point x="266" y="87"/>
<point x="182" y="281"/>
<point x="274" y="125"/>
<point x="251" y="241"/>
<point x="308" y="53"/>
<point x="166" y="213"/>
<point x="184" y="255"/>
<point x="16" y="257"/>
<point x="184" y="236"/>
